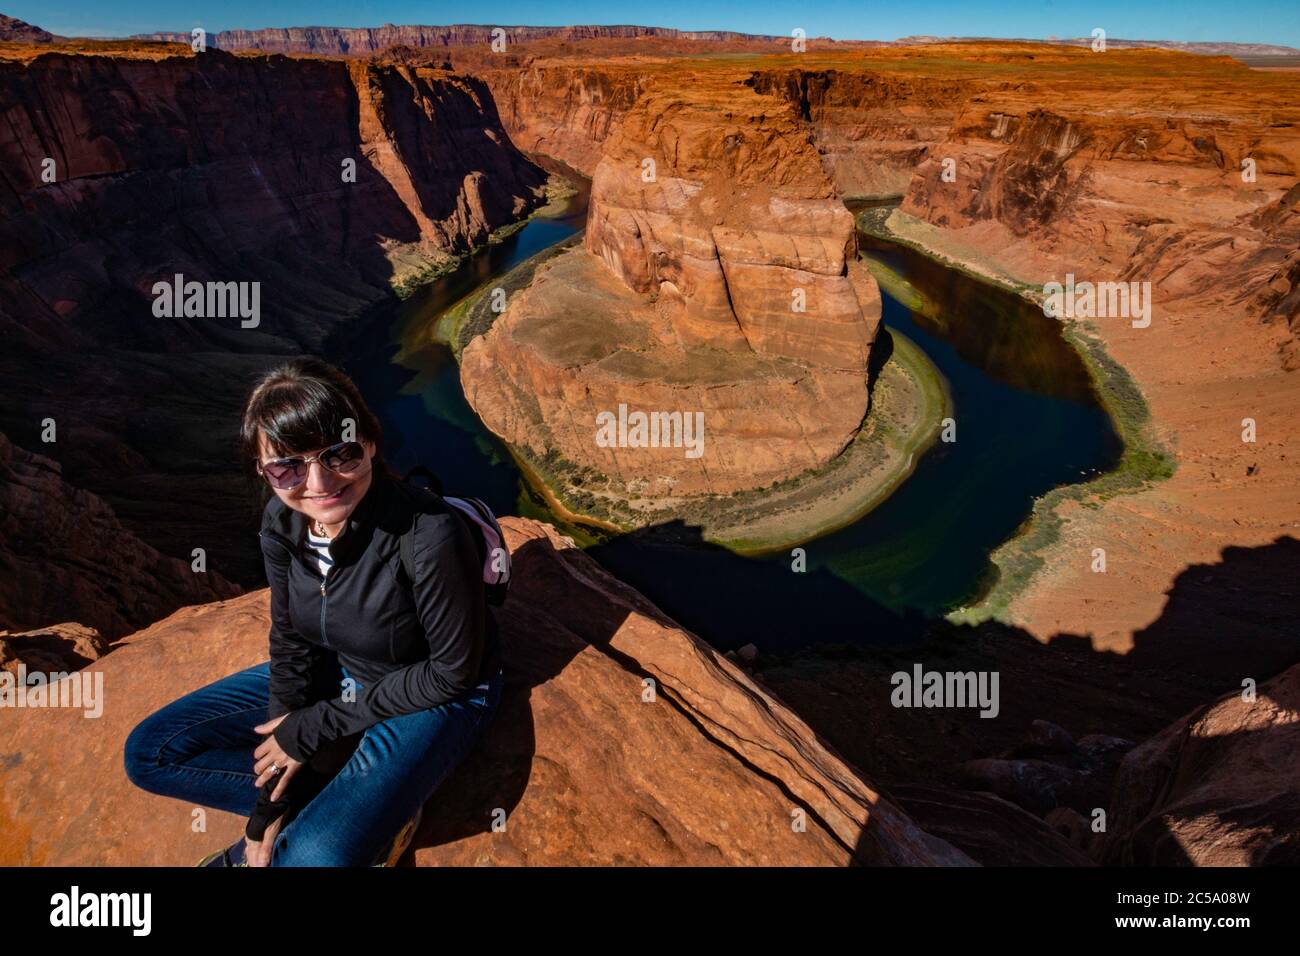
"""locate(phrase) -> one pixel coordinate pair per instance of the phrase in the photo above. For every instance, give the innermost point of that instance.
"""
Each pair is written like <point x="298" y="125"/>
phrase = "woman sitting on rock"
<point x="379" y="682"/>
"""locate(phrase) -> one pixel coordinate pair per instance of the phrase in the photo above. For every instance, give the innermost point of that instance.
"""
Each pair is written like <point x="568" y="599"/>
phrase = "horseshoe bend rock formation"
<point x="719" y="276"/>
<point x="714" y="770"/>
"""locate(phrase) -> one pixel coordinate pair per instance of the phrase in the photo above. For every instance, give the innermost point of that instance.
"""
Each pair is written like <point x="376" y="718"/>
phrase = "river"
<point x="1027" y="420"/>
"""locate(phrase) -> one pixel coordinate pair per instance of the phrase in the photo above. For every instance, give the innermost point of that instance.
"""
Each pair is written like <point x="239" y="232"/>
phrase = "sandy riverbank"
<point x="1183" y="387"/>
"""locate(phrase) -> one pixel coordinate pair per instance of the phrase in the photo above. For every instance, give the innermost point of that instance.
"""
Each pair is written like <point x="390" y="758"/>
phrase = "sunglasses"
<point x="287" y="473"/>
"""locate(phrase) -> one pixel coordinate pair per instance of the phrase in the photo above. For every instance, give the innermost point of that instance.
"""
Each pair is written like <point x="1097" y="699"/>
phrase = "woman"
<point x="377" y="684"/>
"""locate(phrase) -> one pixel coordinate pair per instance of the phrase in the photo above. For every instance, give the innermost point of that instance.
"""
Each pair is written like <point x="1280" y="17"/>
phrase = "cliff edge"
<point x="587" y="766"/>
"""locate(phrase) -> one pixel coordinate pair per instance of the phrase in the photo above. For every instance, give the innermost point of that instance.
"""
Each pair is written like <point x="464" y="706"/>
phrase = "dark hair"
<point x="303" y="405"/>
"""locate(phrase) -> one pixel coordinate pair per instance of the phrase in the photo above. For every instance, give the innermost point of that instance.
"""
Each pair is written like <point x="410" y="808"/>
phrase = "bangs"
<point x="302" y="416"/>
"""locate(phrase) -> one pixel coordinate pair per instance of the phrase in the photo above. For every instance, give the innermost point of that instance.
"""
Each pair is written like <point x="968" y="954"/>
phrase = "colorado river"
<point x="1026" y="420"/>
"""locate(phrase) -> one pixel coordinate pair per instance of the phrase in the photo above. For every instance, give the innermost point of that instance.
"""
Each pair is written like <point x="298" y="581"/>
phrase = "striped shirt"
<point x="322" y="548"/>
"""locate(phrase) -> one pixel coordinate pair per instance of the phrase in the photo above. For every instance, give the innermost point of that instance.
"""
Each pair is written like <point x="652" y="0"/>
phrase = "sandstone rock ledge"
<point x="712" y="772"/>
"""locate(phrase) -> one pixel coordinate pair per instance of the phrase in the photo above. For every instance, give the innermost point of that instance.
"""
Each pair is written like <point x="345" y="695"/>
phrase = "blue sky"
<point x="1247" y="21"/>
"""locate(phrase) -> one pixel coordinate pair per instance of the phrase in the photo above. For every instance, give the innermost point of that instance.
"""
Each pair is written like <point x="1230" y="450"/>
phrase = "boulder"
<point x="1219" y="787"/>
<point x="995" y="832"/>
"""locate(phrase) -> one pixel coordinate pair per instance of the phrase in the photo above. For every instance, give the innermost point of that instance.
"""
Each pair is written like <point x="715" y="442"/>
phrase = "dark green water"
<point x="1027" y="421"/>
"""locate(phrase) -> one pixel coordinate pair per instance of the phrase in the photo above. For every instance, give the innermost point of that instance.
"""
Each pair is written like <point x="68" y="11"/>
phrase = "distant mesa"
<point x="1204" y="48"/>
<point x="363" y="41"/>
<point x="13" y="30"/>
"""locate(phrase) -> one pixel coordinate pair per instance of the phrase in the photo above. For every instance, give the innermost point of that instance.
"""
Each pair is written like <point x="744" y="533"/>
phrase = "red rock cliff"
<point x="872" y="129"/>
<point x="562" y="109"/>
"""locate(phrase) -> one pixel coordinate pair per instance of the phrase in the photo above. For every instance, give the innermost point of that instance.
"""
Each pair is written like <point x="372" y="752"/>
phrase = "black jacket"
<point x="411" y="645"/>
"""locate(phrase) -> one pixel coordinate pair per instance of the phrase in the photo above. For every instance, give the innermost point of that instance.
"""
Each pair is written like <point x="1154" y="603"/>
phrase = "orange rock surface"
<point x="712" y="771"/>
<point x="1212" y="789"/>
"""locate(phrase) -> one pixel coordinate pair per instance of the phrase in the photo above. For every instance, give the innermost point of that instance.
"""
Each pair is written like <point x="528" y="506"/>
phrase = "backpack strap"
<point x="408" y="557"/>
<point x="432" y="494"/>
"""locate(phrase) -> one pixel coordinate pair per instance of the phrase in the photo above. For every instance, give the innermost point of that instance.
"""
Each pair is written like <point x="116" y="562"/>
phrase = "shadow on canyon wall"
<point x="1222" y="623"/>
<point x="147" y="407"/>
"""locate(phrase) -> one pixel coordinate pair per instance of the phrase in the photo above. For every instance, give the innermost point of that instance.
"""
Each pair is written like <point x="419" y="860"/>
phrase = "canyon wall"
<point x="718" y="275"/>
<point x="873" y="129"/>
<point x="201" y="164"/>
<point x="559" y="108"/>
<point x="64" y="556"/>
<point x="227" y="169"/>
<point x="1159" y="196"/>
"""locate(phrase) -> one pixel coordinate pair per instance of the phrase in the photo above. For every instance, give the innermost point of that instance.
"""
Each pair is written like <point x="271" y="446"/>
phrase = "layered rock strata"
<point x="718" y="277"/>
<point x="65" y="557"/>
<point x="360" y="41"/>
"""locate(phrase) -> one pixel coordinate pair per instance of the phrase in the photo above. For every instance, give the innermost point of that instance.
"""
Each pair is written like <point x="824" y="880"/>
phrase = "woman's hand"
<point x="258" y="852"/>
<point x="268" y="755"/>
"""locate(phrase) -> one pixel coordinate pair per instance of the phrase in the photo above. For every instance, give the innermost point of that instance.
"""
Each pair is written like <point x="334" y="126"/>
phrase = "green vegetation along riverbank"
<point x="1144" y="459"/>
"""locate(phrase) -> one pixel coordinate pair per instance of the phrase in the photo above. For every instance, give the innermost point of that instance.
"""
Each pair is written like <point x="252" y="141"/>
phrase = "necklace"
<point x="318" y="529"/>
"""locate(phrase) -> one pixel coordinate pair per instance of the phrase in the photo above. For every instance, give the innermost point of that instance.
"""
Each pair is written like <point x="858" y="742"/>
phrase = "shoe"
<point x="402" y="840"/>
<point x="232" y="855"/>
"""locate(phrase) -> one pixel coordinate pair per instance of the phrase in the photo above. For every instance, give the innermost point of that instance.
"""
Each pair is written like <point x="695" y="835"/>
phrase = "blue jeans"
<point x="199" y="748"/>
